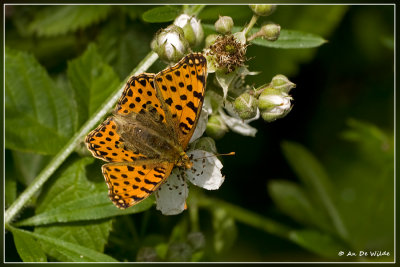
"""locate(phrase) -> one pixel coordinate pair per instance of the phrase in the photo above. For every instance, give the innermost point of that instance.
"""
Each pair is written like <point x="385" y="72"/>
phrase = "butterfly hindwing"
<point x="129" y="184"/>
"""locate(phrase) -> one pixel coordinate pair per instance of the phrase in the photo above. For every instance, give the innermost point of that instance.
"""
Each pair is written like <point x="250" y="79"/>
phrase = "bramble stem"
<point x="58" y="159"/>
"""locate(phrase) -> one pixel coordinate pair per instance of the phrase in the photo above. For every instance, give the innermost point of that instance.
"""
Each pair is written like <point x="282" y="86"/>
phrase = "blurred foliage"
<point x="69" y="59"/>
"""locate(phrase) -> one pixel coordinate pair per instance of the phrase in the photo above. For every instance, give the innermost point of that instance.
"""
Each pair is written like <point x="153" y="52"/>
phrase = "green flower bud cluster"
<point x="274" y="100"/>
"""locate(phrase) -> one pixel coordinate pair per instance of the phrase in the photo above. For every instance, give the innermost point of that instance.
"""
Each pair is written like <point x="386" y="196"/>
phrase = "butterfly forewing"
<point x="182" y="89"/>
<point x="139" y="95"/>
<point x="105" y="143"/>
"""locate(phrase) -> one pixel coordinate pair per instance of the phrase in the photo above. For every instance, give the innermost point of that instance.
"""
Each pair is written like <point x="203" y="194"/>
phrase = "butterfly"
<point x="149" y="130"/>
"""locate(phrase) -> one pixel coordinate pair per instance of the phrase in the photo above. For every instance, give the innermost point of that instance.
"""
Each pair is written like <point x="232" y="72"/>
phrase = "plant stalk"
<point x="247" y="217"/>
<point x="58" y="159"/>
<point x="249" y="26"/>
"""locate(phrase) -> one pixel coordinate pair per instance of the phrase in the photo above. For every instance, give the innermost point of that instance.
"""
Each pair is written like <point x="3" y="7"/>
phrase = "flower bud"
<point x="216" y="127"/>
<point x="270" y="31"/>
<point x="170" y="44"/>
<point x="246" y="106"/>
<point x="192" y="29"/>
<point x="263" y="10"/>
<point x="282" y="83"/>
<point x="224" y="24"/>
<point x="274" y="104"/>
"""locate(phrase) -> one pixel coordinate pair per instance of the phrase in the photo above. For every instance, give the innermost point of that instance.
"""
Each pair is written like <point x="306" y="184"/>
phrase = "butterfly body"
<point x="149" y="130"/>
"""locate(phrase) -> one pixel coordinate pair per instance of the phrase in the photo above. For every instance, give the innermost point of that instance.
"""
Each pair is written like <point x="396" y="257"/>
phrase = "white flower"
<point x="205" y="172"/>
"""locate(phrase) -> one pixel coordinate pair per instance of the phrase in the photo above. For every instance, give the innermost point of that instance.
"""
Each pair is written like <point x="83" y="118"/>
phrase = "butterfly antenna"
<point x="217" y="155"/>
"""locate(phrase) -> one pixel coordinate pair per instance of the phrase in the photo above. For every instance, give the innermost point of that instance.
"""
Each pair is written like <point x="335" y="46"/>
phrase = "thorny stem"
<point x="249" y="26"/>
<point x="58" y="159"/>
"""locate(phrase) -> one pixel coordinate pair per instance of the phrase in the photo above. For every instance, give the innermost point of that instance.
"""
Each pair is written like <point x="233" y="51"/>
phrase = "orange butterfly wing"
<point x="182" y="88"/>
<point x="130" y="184"/>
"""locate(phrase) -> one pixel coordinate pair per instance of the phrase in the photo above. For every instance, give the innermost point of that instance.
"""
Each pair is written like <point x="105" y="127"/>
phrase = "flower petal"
<point x="171" y="196"/>
<point x="201" y="125"/>
<point x="206" y="170"/>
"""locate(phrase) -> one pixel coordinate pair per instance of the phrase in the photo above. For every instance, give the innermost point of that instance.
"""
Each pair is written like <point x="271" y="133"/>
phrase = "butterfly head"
<point x="184" y="161"/>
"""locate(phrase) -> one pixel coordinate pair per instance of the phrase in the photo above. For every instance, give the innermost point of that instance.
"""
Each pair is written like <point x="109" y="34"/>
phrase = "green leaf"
<point x="10" y="185"/>
<point x="28" y="249"/>
<point x="320" y="243"/>
<point x="71" y="251"/>
<point x="28" y="165"/>
<point x="92" y="81"/>
<point x="314" y="177"/>
<point x="40" y="117"/>
<point x="291" y="39"/>
<point x="93" y="207"/>
<point x="288" y="39"/>
<point x="71" y="187"/>
<point x="225" y="231"/>
<point x="161" y="14"/>
<point x="294" y="201"/>
<point x="55" y="20"/>
<point x="73" y="198"/>
<point x="122" y="47"/>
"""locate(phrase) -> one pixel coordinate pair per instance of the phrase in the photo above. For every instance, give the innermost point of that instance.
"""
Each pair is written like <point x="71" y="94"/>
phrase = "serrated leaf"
<point x="320" y="243"/>
<point x="291" y="39"/>
<point x="73" y="198"/>
<point x="93" y="236"/>
<point x="56" y="20"/>
<point x="314" y="177"/>
<point x="293" y="200"/>
<point x="28" y="249"/>
<point x="72" y="252"/>
<point x="161" y="14"/>
<point x="40" y="117"/>
<point x="92" y="81"/>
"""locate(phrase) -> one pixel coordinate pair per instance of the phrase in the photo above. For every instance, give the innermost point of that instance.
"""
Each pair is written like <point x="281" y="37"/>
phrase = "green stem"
<point x="249" y="26"/>
<point x="248" y="217"/>
<point x="193" y="10"/>
<point x="58" y="159"/>
<point x="193" y="211"/>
